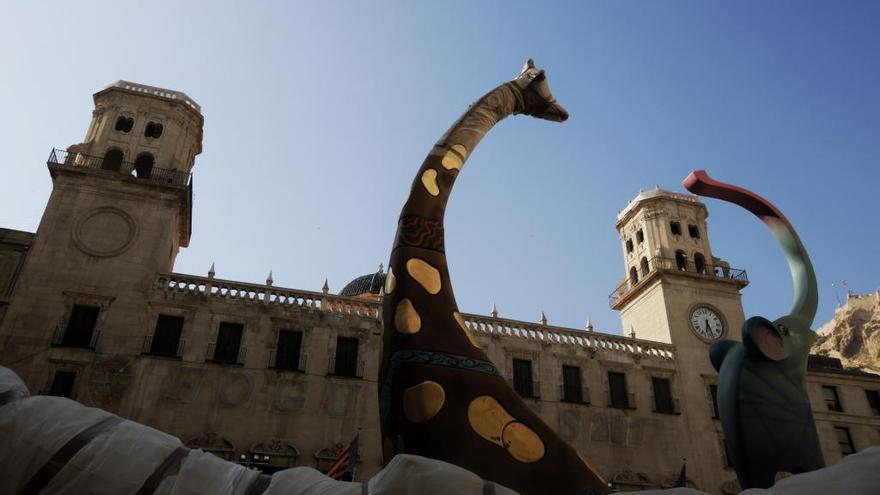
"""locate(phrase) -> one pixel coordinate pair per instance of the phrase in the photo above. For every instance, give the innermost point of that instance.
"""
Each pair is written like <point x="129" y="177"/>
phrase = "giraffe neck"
<point x="433" y="183"/>
<point x="439" y="394"/>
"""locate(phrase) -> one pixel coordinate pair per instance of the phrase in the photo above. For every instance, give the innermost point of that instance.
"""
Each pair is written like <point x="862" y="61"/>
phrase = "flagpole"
<point x="355" y="456"/>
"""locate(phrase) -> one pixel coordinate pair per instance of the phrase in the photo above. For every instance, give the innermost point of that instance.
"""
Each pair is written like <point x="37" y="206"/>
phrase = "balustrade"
<point x="265" y="294"/>
<point x="550" y="334"/>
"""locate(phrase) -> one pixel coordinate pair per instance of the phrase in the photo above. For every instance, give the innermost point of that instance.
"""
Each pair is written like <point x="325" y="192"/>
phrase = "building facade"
<point x="274" y="377"/>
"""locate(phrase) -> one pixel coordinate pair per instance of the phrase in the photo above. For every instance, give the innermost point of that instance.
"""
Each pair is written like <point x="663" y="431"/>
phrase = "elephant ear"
<point x="763" y="340"/>
<point x="718" y="351"/>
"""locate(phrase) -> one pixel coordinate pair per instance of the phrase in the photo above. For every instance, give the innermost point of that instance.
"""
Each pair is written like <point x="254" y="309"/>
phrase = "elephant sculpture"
<point x="439" y="394"/>
<point x="762" y="385"/>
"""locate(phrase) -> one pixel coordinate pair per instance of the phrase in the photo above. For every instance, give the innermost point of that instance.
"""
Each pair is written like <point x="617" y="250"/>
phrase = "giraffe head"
<point x="537" y="100"/>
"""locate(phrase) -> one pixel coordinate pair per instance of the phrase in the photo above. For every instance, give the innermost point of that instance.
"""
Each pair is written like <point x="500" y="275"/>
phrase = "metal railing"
<point x="577" y="395"/>
<point x="527" y="390"/>
<point x="61" y="339"/>
<point x="300" y="365"/>
<point x="210" y="355"/>
<point x="630" y="402"/>
<point x="332" y="370"/>
<point x="62" y="158"/>
<point x="147" y="348"/>
<point x="674" y="404"/>
<point x="660" y="264"/>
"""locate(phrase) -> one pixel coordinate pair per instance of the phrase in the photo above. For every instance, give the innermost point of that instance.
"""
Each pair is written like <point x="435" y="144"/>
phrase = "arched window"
<point x="629" y="245"/>
<point x="640" y="236"/>
<point x="112" y="160"/>
<point x="675" y="228"/>
<point x="694" y="231"/>
<point x="680" y="260"/>
<point x="143" y="166"/>
<point x="645" y="267"/>
<point x="124" y="123"/>
<point x="700" y="263"/>
<point x="633" y="276"/>
<point x="153" y="130"/>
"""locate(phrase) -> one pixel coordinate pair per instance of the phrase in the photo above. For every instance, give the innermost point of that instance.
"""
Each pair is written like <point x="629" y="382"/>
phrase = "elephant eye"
<point x="782" y="329"/>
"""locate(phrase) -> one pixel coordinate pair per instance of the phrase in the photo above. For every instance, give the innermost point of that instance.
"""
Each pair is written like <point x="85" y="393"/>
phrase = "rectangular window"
<point x="640" y="237"/>
<point x="80" y="326"/>
<point x="675" y="228"/>
<point x="694" y="231"/>
<point x="62" y="384"/>
<point x="228" y="344"/>
<point x="845" y="440"/>
<point x="874" y="400"/>
<point x="289" y="346"/>
<point x="166" y="338"/>
<point x="346" y="362"/>
<point x="619" y="397"/>
<point x="713" y="390"/>
<point x="829" y="394"/>
<point x="571" y="384"/>
<point x="522" y="378"/>
<point x="662" y="395"/>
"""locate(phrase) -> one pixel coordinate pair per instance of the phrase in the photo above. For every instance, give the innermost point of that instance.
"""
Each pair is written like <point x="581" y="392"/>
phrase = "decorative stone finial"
<point x="589" y="324"/>
<point x="494" y="311"/>
<point x="632" y="332"/>
<point x="211" y="271"/>
<point x="381" y="268"/>
<point x="326" y="288"/>
<point x="543" y="319"/>
<point x="269" y="280"/>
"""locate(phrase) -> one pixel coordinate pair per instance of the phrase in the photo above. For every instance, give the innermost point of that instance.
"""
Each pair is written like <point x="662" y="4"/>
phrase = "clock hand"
<point x="706" y="326"/>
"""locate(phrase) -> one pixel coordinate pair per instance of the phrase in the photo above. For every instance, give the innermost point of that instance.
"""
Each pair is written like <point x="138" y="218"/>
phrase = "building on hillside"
<point x="90" y="308"/>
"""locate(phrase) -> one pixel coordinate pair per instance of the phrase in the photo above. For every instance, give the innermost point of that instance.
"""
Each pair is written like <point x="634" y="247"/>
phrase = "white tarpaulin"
<point x="63" y="447"/>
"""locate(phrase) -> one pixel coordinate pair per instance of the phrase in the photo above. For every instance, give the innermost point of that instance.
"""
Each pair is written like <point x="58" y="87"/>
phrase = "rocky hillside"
<point x="853" y="335"/>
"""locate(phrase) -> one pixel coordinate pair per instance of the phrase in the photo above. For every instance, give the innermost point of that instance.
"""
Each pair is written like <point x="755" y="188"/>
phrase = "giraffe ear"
<point x="530" y="64"/>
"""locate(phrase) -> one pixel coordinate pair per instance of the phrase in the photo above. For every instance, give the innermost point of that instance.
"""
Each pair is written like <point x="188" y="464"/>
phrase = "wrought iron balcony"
<point x="108" y="166"/>
<point x="158" y="347"/>
<point x="345" y="368"/>
<point x="62" y="337"/>
<point x="576" y="395"/>
<point x="297" y="364"/>
<point x="225" y="357"/>
<point x="677" y="265"/>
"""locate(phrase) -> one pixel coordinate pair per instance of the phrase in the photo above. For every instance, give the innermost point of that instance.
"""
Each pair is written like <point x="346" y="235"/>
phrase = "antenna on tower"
<point x="836" y="294"/>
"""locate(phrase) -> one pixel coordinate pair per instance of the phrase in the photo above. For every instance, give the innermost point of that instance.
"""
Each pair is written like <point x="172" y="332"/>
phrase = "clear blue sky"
<point x="318" y="114"/>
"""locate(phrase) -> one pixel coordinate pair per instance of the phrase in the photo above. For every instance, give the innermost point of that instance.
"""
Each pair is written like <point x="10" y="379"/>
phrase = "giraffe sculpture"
<point x="439" y="395"/>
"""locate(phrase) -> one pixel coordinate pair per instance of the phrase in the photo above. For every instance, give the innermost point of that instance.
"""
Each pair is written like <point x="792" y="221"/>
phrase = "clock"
<point x="707" y="323"/>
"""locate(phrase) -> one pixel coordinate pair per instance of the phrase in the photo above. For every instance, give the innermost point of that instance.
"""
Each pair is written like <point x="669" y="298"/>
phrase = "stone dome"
<point x="370" y="284"/>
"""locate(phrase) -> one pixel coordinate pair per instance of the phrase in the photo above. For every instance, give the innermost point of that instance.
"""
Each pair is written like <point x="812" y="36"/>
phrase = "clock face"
<point x="707" y="323"/>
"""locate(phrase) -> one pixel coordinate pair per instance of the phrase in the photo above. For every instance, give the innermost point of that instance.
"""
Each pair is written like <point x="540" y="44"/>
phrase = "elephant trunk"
<point x="806" y="292"/>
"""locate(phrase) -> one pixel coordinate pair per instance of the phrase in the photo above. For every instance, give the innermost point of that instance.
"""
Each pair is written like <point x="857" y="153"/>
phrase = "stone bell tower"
<point x="675" y="290"/>
<point x="119" y="211"/>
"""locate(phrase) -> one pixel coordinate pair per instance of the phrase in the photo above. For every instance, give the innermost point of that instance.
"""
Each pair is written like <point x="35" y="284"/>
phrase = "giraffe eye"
<point x="782" y="329"/>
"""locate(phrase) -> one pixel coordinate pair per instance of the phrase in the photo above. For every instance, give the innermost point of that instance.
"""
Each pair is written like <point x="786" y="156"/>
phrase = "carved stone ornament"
<point x="104" y="232"/>
<point x="214" y="443"/>
<point x="325" y="457"/>
<point x="628" y="479"/>
<point x="276" y="447"/>
<point x="329" y="453"/>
